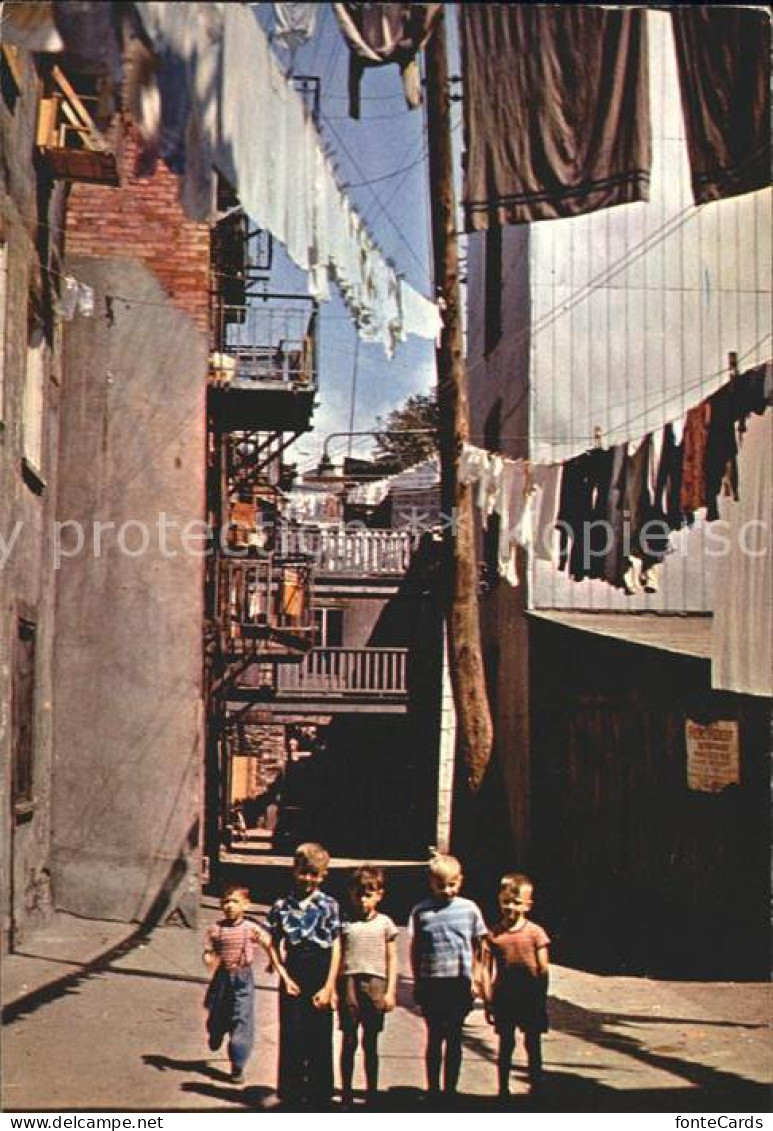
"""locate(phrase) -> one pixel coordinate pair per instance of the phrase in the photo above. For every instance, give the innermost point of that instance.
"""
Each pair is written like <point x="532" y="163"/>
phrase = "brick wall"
<point x="142" y="219"/>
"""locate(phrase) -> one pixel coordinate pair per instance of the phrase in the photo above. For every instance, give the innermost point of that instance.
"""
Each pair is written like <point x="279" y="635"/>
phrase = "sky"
<point x="382" y="160"/>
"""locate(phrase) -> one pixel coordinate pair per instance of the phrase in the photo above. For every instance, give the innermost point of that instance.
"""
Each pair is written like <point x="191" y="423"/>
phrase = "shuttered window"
<point x="23" y="715"/>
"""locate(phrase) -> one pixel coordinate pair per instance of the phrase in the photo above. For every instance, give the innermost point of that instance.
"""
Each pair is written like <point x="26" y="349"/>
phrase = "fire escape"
<point x="260" y="397"/>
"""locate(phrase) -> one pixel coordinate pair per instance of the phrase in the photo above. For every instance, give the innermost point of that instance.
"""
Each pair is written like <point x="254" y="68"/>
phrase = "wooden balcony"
<point x="336" y="551"/>
<point x="346" y="673"/>
<point x="68" y="137"/>
<point x="328" y="681"/>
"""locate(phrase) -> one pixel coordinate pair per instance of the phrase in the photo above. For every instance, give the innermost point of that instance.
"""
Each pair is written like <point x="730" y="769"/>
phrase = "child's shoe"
<point x="237" y="1075"/>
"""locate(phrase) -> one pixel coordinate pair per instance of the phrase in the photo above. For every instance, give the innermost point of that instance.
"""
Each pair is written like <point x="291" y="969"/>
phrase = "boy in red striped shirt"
<point x="229" y="952"/>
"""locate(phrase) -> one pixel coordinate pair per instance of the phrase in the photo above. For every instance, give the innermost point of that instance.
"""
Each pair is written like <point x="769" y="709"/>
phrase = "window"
<point x="34" y="403"/>
<point x="23" y="716"/>
<point x="329" y="626"/>
<point x="493" y="331"/>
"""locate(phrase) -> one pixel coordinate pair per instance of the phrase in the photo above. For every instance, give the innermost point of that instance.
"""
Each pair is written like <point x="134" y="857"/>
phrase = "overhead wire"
<point x="387" y="217"/>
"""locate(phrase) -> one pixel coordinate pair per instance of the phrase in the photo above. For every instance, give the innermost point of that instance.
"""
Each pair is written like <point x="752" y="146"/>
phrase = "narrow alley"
<point x="386" y="475"/>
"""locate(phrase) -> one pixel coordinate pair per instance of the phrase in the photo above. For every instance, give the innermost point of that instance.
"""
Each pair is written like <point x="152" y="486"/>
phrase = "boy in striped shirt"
<point x="229" y="952"/>
<point x="447" y="933"/>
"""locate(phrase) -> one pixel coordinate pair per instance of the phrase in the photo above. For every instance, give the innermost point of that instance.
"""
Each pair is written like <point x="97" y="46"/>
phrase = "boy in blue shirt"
<point x="447" y="933"/>
<point x="305" y="950"/>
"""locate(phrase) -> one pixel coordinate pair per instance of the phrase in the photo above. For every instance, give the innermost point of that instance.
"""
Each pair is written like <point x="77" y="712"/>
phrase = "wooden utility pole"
<point x="474" y="728"/>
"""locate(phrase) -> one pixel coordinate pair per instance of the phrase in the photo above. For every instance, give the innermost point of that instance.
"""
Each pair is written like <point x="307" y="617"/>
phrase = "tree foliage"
<point x="397" y="446"/>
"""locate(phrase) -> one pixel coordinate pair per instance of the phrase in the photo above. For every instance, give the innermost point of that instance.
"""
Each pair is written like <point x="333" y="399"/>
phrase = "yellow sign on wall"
<point x="713" y="760"/>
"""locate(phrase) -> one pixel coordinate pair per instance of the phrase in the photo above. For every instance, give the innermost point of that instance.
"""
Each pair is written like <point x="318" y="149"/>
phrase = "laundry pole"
<point x="473" y="718"/>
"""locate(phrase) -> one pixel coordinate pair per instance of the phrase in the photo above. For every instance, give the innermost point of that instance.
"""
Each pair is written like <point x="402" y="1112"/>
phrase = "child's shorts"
<point x="444" y="1002"/>
<point x="361" y="1002"/>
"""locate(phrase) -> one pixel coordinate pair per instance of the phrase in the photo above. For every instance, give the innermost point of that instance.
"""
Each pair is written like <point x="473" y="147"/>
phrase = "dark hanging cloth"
<point x="755" y="392"/>
<point x="650" y="534"/>
<point x="556" y="110"/>
<point x="668" y="482"/>
<point x="730" y="406"/>
<point x="92" y="36"/>
<point x="385" y="33"/>
<point x="723" y="58"/>
<point x="582" y="514"/>
<point x="721" y="468"/>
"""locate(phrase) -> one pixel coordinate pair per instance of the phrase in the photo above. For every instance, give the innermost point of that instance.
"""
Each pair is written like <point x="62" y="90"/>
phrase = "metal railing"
<point x="347" y="672"/>
<point x="335" y="550"/>
<point x="270" y="344"/>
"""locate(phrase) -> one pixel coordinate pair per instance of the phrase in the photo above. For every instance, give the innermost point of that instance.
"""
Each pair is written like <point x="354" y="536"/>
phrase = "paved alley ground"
<point x="98" y="1018"/>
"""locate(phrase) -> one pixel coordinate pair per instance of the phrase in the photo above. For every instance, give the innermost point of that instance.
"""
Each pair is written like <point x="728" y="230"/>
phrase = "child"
<point x="230" y="999"/>
<point x="368" y="982"/>
<point x="517" y="961"/>
<point x="305" y="950"/>
<point x="446" y="936"/>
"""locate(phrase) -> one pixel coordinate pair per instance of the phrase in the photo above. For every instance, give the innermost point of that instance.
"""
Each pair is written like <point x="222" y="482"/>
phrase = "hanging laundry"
<point x="188" y="43"/>
<point x="742" y="630"/>
<point x="649" y="531"/>
<point x="142" y="99"/>
<point x="75" y="298"/>
<point x="745" y="394"/>
<point x="476" y="466"/>
<point x="582" y="514"/>
<point x="385" y="33"/>
<point x="547" y="483"/>
<point x="616" y="562"/>
<point x="294" y="23"/>
<point x="68" y="298"/>
<point x="692" y="494"/>
<point x="723" y="57"/>
<point x="227" y="104"/>
<point x="505" y="489"/>
<point x="31" y="26"/>
<point x="556" y="110"/>
<point x="92" y="35"/>
<point x="510" y="503"/>
<point x="721" y="469"/>
<point x="668" y="481"/>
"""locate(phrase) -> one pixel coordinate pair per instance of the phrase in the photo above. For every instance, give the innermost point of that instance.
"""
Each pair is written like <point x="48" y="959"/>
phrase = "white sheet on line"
<point x="255" y="125"/>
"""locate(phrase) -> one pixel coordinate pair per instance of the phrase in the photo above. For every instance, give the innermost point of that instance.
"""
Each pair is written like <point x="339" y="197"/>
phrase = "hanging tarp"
<point x="556" y="110"/>
<point x="723" y="57"/>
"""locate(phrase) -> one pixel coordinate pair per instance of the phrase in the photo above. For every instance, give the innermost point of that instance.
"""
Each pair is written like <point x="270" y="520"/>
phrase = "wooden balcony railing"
<point x="335" y="550"/>
<point x="347" y="672"/>
<point x="67" y="134"/>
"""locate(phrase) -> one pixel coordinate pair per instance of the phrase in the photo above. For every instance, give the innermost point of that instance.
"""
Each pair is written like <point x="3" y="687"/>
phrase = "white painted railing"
<point x="359" y="552"/>
<point x="347" y="671"/>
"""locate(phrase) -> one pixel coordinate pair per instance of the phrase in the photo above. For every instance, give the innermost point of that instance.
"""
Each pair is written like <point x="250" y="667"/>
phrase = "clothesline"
<point x="642" y="479"/>
<point x="209" y="96"/>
